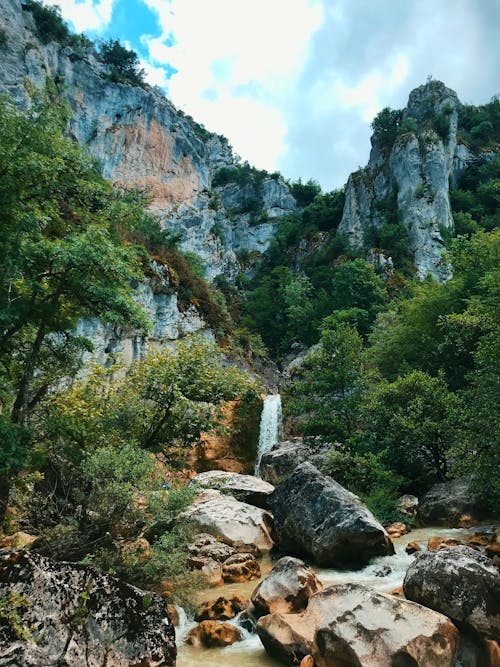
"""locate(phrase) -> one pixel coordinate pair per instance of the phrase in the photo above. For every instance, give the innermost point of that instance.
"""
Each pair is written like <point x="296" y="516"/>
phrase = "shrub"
<point x="49" y="22"/>
<point x="124" y="64"/>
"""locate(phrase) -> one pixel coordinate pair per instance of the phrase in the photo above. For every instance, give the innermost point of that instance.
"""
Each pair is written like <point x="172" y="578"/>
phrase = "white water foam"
<point x="270" y="427"/>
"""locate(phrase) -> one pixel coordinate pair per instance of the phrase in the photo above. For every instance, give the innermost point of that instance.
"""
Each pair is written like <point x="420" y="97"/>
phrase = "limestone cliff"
<point x="412" y="174"/>
<point x="143" y="141"/>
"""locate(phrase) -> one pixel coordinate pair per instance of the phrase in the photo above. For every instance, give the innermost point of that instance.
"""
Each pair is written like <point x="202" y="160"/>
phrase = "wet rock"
<point x="239" y="568"/>
<point x="210" y="568"/>
<point x="209" y="634"/>
<point x="434" y="543"/>
<point x="245" y="527"/>
<point x="350" y="624"/>
<point x="279" y="464"/>
<point x="74" y="615"/>
<point x="412" y="548"/>
<point x="408" y="504"/>
<point x="221" y="609"/>
<point x="286" y="589"/>
<point x="458" y="582"/>
<point x="446" y="503"/>
<point x="316" y="517"/>
<point x="218" y="551"/>
<point x="246" y="488"/>
<point x="397" y="529"/>
<point x="384" y="571"/>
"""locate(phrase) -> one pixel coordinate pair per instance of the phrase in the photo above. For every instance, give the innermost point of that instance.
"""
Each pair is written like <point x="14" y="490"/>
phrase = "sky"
<point x="295" y="84"/>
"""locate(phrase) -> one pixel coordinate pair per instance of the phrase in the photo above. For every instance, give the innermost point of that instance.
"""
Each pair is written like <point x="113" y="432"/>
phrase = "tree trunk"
<point x="20" y="410"/>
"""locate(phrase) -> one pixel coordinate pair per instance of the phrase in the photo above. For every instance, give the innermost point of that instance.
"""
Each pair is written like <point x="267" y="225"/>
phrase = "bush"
<point x="49" y="22"/>
<point x="124" y="64"/>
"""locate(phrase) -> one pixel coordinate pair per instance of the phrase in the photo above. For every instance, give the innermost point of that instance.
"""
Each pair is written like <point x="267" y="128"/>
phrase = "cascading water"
<point x="270" y="427"/>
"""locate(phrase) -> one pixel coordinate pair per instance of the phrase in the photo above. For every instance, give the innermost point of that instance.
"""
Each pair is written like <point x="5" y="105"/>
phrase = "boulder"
<point x="246" y="488"/>
<point x="210" y="568"/>
<point x="458" y="582"/>
<point x="286" y="589"/>
<point x="242" y="526"/>
<point x="412" y="548"/>
<point x="437" y="542"/>
<point x="221" y="609"/>
<point x="278" y="464"/>
<point x="353" y="625"/>
<point x="316" y="517"/>
<point x="397" y="529"/>
<point x="209" y="634"/>
<point x="74" y="615"/>
<point x="408" y="504"/>
<point x="448" y="503"/>
<point x="239" y="568"/>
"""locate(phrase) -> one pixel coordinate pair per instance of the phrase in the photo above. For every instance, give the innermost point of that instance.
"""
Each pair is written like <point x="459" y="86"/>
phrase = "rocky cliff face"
<point x="142" y="141"/>
<point x="413" y="176"/>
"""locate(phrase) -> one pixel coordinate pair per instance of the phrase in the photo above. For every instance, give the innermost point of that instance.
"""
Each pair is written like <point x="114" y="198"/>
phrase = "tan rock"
<point x="307" y="661"/>
<point x="209" y="634"/>
<point x="221" y="609"/>
<point x="397" y="529"/>
<point x="398" y="592"/>
<point x="19" y="540"/>
<point x="478" y="540"/>
<point x="239" y="568"/>
<point x="466" y="521"/>
<point x="351" y="624"/>
<point x="286" y="589"/>
<point x="435" y="543"/>
<point x="493" y="549"/>
<point x="412" y="548"/>
<point x="493" y="650"/>
<point x="173" y="614"/>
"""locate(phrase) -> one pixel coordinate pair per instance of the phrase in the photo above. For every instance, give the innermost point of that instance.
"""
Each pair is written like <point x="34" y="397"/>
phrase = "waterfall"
<point x="270" y="427"/>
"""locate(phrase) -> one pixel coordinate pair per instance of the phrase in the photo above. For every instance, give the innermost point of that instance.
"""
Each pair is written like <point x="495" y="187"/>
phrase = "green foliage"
<point x="305" y="193"/>
<point x="12" y="608"/>
<point x="441" y="125"/>
<point x="480" y="125"/>
<point x="325" y="211"/>
<point x="241" y="174"/>
<point x="324" y="398"/>
<point x="49" y="23"/>
<point x="123" y="63"/>
<point x="385" y="127"/>
<point x="478" y="196"/>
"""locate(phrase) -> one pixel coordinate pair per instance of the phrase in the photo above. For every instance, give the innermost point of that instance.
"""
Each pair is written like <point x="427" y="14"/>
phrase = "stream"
<point x="384" y="574"/>
<point x="249" y="652"/>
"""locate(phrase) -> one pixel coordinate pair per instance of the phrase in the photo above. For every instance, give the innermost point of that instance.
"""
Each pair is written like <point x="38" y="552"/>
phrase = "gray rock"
<point x="278" y="464"/>
<point x="445" y="503"/>
<point x="351" y="624"/>
<point x="317" y="518"/>
<point x="458" y="582"/>
<point x="246" y="488"/>
<point x="74" y="615"/>
<point x="286" y="589"/>
<point x="242" y="526"/>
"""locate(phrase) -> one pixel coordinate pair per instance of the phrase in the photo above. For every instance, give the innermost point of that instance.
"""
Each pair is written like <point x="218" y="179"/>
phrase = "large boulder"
<point x="458" y="582"/>
<point x="450" y="504"/>
<point x="316" y="517"/>
<point x="246" y="488"/>
<point x="278" y="464"/>
<point x="64" y="613"/>
<point x="240" y="525"/>
<point x="286" y="589"/>
<point x="355" y="626"/>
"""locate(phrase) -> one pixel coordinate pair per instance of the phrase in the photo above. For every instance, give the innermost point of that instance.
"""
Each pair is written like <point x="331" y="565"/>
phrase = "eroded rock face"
<point x="458" y="582"/>
<point x="74" y="615"/>
<point x="316" y="517"/>
<point x="446" y="503"/>
<point x="414" y="176"/>
<point x="351" y="624"/>
<point x="242" y="526"/>
<point x="246" y="488"/>
<point x="286" y="589"/>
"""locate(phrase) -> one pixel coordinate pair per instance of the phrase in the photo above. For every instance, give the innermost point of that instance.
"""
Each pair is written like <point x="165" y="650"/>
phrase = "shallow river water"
<point x="249" y="652"/>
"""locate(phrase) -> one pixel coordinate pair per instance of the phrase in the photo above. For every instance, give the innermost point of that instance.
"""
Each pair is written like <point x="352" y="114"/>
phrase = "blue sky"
<point x="294" y="84"/>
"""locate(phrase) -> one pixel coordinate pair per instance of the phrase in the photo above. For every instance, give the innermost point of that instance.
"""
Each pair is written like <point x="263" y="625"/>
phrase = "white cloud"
<point x="86" y="15"/>
<point x="237" y="63"/>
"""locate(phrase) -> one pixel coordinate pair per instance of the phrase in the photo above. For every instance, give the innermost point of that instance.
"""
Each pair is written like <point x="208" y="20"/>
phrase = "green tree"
<point x="324" y="397"/>
<point x="124" y="63"/>
<point x="414" y="421"/>
<point x="60" y="261"/>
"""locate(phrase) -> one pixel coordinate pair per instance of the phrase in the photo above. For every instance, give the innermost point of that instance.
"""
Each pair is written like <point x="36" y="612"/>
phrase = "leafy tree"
<point x="385" y="127"/>
<point x="305" y="193"/>
<point x="324" y="398"/>
<point x="414" y="421"/>
<point x="124" y="63"/>
<point x="60" y="261"/>
<point x="49" y="23"/>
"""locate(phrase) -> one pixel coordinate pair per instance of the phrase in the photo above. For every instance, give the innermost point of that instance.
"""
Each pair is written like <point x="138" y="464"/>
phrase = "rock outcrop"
<point x="63" y="613"/>
<point x="242" y="526"/>
<point x="351" y="624"/>
<point x="221" y="563"/>
<point x="458" y="582"/>
<point x="316" y="517"/>
<point x="409" y="179"/>
<point x="246" y="488"/>
<point x="278" y="464"/>
<point x="447" y="503"/>
<point x="286" y="589"/>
